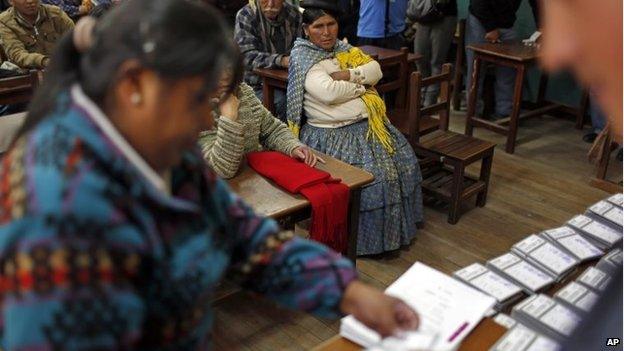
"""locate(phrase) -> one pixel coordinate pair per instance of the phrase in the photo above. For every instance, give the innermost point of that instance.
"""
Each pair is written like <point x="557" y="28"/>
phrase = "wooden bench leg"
<point x="486" y="169"/>
<point x="456" y="194"/>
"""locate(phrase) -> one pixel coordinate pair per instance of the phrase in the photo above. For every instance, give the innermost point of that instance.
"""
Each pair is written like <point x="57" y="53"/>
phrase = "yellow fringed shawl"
<point x="376" y="107"/>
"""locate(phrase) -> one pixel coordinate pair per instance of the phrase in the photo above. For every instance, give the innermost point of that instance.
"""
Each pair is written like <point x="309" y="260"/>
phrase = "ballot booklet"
<point x="599" y="234"/>
<point x="546" y="316"/>
<point x="611" y="262"/>
<point x="595" y="279"/>
<point x="521" y="338"/>
<point x="572" y="243"/>
<point x="578" y="297"/>
<point x="607" y="213"/>
<point x="505" y="320"/>
<point x="546" y="256"/>
<point x="448" y="309"/>
<point x="481" y="278"/>
<point x="531" y="278"/>
<point x="616" y="199"/>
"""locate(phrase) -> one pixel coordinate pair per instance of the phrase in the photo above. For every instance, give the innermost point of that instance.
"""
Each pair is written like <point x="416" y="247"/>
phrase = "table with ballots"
<point x="539" y="290"/>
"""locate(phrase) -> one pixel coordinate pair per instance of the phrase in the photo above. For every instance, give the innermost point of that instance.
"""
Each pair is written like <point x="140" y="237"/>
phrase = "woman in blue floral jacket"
<point x="113" y="233"/>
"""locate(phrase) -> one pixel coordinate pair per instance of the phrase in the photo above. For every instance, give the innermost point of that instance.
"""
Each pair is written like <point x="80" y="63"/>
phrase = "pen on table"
<point x="458" y="331"/>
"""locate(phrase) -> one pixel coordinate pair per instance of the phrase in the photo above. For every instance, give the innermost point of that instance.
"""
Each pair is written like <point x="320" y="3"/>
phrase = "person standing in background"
<point x="433" y="40"/>
<point x="382" y="23"/>
<point x="493" y="21"/>
<point x="348" y="22"/>
<point x="265" y="31"/>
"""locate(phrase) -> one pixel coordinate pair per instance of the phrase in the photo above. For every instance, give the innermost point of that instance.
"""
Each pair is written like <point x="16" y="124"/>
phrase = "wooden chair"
<point x="18" y="89"/>
<point x="458" y="74"/>
<point x="399" y="115"/>
<point x="446" y="153"/>
<point x="394" y="84"/>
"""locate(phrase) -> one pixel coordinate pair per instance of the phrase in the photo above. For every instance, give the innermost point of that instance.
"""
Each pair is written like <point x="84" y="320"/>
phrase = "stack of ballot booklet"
<point x="578" y="297"/>
<point x="611" y="262"/>
<point x="607" y="213"/>
<point x="529" y="277"/>
<point x="448" y="311"/>
<point x="545" y="256"/>
<point x="601" y="235"/>
<point x="546" y="316"/>
<point x="573" y="243"/>
<point x="616" y="199"/>
<point x="595" y="279"/>
<point x="521" y="338"/>
<point x="503" y="290"/>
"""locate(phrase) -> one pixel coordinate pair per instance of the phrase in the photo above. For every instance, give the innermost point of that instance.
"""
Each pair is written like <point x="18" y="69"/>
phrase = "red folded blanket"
<point x="328" y="197"/>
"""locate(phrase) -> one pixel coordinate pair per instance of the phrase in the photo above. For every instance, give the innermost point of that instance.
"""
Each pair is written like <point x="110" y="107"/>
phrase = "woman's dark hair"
<point x="176" y="39"/>
<point x="311" y="14"/>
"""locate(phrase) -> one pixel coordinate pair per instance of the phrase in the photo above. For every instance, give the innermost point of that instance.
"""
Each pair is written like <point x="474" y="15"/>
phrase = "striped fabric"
<point x="255" y="130"/>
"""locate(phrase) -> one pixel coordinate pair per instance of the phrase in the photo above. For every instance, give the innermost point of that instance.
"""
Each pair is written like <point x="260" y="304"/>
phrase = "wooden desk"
<point x="277" y="78"/>
<point x="9" y="125"/>
<point x="482" y="337"/>
<point x="269" y="200"/>
<point x="520" y="57"/>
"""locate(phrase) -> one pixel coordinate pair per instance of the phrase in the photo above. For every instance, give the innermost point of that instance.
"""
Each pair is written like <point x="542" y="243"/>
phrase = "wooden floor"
<point x="541" y="186"/>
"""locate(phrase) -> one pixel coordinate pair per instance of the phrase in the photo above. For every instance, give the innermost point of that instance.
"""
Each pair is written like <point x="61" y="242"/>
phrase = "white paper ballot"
<point x="521" y="338"/>
<point x="587" y="302"/>
<point x="505" y="320"/>
<point x="578" y="295"/>
<point x="522" y="272"/>
<point x="545" y="254"/>
<point x="554" y="259"/>
<point x="529" y="244"/>
<point x="471" y="272"/>
<point x="407" y="342"/>
<point x="543" y="343"/>
<point x="608" y="211"/>
<point x="561" y="319"/>
<point x="572" y="292"/>
<point x="580" y="247"/>
<point x="595" y="229"/>
<point x="594" y="278"/>
<point x="560" y="232"/>
<point x="536" y="305"/>
<point x="489" y="282"/>
<point x="616" y="199"/>
<point x="516" y="339"/>
<point x="441" y="302"/>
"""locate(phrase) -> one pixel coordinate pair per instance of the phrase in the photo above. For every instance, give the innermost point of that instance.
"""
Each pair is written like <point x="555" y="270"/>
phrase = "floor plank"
<point x="541" y="186"/>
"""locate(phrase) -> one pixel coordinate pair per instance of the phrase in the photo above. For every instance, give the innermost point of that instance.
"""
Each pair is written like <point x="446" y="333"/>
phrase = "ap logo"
<point x="613" y="341"/>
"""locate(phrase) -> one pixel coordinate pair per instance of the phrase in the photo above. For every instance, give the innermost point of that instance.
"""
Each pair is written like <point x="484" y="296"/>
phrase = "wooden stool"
<point x="446" y="154"/>
<point x="446" y="179"/>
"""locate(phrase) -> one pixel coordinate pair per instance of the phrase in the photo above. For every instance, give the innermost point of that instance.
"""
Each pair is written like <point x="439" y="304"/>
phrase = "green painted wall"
<point x="562" y="86"/>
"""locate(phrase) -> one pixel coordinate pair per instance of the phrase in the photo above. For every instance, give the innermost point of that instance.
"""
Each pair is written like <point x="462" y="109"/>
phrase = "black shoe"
<point x="590" y="137"/>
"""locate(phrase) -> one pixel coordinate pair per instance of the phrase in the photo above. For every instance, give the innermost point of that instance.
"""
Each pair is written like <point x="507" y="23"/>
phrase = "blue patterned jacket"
<point x="92" y="256"/>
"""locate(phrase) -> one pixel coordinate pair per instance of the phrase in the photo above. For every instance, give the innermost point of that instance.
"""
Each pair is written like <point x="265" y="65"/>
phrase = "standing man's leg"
<point x="505" y="81"/>
<point x="475" y="33"/>
<point x="441" y="38"/>
<point x="422" y="46"/>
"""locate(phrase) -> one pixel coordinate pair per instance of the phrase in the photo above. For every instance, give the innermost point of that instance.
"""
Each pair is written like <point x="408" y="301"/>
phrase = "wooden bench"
<point x="18" y="89"/>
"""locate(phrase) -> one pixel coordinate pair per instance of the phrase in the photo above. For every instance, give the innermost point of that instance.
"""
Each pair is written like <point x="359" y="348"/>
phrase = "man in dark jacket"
<point x="492" y="21"/>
